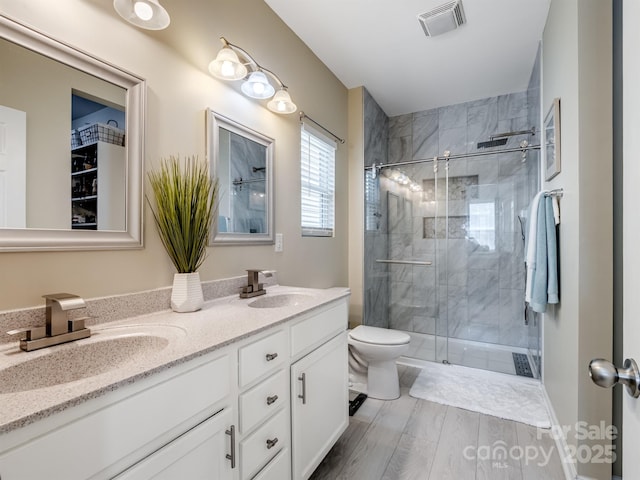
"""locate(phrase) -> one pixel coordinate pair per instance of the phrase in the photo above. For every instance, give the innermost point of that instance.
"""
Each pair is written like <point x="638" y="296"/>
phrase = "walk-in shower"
<point x="444" y="237"/>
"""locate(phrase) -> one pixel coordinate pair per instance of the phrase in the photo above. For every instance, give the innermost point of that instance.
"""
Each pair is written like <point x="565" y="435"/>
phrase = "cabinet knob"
<point x="271" y="356"/>
<point x="272" y="399"/>
<point x="271" y="443"/>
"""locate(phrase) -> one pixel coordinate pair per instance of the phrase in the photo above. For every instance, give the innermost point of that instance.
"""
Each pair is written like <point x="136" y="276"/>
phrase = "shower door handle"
<point x="605" y="374"/>
<point x="405" y="262"/>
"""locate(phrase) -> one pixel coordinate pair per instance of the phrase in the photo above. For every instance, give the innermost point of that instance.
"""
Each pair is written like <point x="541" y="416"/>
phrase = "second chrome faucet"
<point x="254" y="287"/>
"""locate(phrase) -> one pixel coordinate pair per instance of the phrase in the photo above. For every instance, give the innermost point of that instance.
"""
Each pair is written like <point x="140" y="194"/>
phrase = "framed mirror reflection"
<point x="71" y="147"/>
<point x="242" y="160"/>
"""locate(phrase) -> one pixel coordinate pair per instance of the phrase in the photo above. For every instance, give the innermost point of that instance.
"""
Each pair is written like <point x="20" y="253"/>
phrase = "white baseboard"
<point x="568" y="464"/>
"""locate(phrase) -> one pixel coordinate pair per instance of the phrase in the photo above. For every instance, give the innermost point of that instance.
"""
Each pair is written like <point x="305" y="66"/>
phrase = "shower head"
<point x="492" y="143"/>
<point x="531" y="131"/>
<point x="499" y="139"/>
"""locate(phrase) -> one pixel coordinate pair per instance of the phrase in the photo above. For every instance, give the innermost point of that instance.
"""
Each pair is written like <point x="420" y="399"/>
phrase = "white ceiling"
<point x="380" y="45"/>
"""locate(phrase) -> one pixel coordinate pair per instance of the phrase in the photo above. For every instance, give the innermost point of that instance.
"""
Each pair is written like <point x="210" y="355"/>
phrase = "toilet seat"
<point x="379" y="336"/>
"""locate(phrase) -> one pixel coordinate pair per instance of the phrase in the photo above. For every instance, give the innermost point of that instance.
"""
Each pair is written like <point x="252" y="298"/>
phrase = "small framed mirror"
<point x="242" y="160"/>
<point x="71" y="147"/>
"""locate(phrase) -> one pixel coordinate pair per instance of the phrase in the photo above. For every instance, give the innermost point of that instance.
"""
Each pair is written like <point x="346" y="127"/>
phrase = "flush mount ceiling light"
<point x="442" y="19"/>
<point x="147" y="14"/>
<point x="234" y="63"/>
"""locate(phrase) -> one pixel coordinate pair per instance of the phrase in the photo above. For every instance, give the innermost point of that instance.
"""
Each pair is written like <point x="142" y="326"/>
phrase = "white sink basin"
<point x="281" y="300"/>
<point x="107" y="349"/>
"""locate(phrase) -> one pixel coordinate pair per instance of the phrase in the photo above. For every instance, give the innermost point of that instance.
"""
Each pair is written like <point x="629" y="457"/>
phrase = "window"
<point x="371" y="201"/>
<point x="482" y="224"/>
<point x="317" y="179"/>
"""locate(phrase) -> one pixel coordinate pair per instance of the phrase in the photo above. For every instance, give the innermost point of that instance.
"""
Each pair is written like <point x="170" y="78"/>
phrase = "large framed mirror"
<point x="242" y="160"/>
<point x="71" y="147"/>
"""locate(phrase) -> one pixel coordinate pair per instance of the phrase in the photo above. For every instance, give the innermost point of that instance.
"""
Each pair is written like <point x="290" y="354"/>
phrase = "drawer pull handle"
<point x="272" y="399"/>
<point x="232" y="433"/>
<point x="271" y="443"/>
<point x="303" y="379"/>
<point x="271" y="356"/>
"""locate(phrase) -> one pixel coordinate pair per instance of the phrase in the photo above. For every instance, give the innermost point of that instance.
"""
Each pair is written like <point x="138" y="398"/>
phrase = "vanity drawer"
<point x="263" y="400"/>
<point x="277" y="469"/>
<point x="261" y="357"/>
<point x="261" y="446"/>
<point x="316" y="329"/>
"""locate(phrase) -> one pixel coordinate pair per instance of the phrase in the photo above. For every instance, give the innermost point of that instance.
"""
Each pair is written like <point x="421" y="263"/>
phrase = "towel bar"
<point x="558" y="192"/>
<point x="405" y="262"/>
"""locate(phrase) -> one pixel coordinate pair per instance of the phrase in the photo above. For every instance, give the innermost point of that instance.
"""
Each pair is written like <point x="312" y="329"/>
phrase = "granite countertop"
<point x="149" y="344"/>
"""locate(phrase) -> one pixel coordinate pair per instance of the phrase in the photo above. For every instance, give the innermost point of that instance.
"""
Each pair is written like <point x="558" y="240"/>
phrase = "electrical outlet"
<point x="279" y="242"/>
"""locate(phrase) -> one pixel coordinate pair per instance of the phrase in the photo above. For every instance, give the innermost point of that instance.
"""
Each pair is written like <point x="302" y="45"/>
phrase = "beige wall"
<point x="577" y="68"/>
<point x="174" y="63"/>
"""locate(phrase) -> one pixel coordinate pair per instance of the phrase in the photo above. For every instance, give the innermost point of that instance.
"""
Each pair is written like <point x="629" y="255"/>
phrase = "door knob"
<point x="606" y="374"/>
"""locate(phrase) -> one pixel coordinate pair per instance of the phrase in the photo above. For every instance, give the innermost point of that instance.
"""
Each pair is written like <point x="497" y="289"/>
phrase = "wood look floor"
<point x="409" y="438"/>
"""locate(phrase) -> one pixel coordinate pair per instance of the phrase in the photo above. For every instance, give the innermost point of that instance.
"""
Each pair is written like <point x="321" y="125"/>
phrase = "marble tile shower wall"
<point x="475" y="288"/>
<point x="376" y="286"/>
<point x="248" y="197"/>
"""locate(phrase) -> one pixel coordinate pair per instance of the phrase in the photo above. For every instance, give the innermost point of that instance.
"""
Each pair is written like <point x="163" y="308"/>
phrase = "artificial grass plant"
<point x="185" y="201"/>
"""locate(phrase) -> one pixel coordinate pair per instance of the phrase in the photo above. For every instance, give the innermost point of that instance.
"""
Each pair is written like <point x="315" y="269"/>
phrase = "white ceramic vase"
<point x="186" y="295"/>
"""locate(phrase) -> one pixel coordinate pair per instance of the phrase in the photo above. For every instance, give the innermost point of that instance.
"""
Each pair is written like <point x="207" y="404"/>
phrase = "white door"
<point x="631" y="229"/>
<point x="13" y="168"/>
<point x="319" y="404"/>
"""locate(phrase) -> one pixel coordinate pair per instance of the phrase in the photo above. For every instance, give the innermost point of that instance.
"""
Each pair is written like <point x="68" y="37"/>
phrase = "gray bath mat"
<point x="498" y="394"/>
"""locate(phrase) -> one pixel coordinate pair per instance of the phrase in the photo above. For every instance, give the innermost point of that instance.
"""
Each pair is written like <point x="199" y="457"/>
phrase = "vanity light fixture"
<point x="234" y="63"/>
<point x="281" y="102"/>
<point x="258" y="86"/>
<point x="227" y="65"/>
<point x="147" y="14"/>
<point x="401" y="178"/>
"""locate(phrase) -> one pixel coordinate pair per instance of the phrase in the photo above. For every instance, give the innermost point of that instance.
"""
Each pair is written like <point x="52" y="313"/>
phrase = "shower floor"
<point x="487" y="356"/>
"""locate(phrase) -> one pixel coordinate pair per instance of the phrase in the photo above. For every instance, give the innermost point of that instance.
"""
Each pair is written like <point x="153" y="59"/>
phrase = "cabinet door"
<point x="319" y="404"/>
<point x="199" y="454"/>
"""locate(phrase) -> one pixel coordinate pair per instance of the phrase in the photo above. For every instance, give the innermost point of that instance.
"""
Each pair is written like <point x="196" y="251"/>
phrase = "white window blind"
<point x="371" y="201"/>
<point x="317" y="178"/>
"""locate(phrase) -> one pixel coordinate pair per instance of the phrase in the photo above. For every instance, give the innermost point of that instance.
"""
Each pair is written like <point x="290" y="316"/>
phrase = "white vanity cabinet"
<point x="105" y="436"/>
<point x="240" y="412"/>
<point x="319" y="388"/>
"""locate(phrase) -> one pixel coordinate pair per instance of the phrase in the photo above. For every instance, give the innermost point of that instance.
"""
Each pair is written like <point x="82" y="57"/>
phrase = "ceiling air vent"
<point x="442" y="19"/>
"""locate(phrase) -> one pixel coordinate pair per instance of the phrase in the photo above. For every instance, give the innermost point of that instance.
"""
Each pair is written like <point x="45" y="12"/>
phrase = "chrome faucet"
<point x="58" y="328"/>
<point x="254" y="288"/>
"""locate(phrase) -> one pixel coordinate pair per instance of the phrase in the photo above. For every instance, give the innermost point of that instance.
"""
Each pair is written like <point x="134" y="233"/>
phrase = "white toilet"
<point x="380" y="348"/>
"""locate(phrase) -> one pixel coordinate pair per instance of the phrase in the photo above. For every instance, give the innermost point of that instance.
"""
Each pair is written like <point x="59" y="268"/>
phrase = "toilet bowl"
<point x="380" y="348"/>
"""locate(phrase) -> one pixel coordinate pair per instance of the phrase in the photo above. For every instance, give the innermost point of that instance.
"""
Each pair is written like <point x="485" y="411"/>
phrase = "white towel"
<point x="530" y="257"/>
<point x="556" y="209"/>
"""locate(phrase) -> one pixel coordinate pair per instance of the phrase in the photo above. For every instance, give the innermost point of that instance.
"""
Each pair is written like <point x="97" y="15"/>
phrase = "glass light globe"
<point x="143" y="10"/>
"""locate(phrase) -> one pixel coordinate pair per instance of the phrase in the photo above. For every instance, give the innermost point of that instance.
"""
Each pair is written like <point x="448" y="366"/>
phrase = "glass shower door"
<point x="415" y="226"/>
